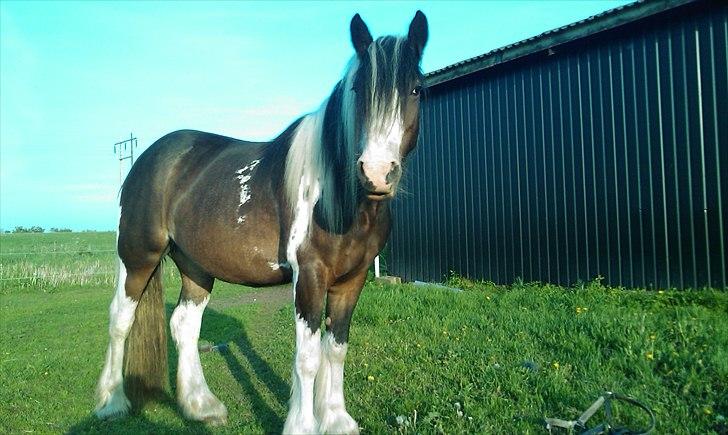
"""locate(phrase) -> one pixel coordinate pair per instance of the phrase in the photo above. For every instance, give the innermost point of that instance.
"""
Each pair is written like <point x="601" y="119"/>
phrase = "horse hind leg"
<point x="111" y="400"/>
<point x="130" y="285"/>
<point x="193" y="395"/>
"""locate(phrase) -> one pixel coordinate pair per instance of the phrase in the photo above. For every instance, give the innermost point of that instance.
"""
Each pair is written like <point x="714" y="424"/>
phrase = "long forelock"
<point x="323" y="153"/>
<point x="386" y="61"/>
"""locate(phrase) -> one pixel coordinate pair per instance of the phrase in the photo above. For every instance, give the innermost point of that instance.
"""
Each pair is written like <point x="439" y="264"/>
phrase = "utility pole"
<point x="125" y="151"/>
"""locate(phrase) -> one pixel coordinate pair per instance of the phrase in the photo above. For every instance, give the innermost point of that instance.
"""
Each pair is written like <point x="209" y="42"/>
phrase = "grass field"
<point x="490" y="359"/>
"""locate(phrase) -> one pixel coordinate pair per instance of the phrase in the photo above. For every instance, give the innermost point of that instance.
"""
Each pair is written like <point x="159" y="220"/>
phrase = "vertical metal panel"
<point x="607" y="159"/>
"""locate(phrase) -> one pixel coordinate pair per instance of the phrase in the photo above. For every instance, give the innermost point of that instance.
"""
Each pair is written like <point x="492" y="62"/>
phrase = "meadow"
<point x="488" y="359"/>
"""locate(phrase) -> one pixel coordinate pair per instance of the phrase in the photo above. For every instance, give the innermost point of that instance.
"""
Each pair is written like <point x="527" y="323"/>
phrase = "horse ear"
<point x="417" y="35"/>
<point x="360" y="36"/>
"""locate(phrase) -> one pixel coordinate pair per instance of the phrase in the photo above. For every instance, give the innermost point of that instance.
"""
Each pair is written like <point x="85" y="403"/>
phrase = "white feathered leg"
<point x="330" y="406"/>
<point x="193" y="395"/>
<point x="111" y="400"/>
<point x="300" y="418"/>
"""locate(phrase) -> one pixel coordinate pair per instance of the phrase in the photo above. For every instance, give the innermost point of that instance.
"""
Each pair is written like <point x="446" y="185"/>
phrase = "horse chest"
<point x="353" y="252"/>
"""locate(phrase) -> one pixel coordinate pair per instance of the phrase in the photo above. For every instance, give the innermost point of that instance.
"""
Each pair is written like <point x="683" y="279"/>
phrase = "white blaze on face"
<point x="384" y="139"/>
<point x="384" y="128"/>
<point x="381" y="152"/>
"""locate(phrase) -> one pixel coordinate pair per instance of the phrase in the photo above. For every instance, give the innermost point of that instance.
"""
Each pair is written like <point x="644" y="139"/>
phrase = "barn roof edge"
<point x="549" y="40"/>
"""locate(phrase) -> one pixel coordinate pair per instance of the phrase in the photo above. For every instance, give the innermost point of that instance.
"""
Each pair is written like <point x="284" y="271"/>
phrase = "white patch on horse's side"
<point x="330" y="407"/>
<point x="243" y="175"/>
<point x="273" y="265"/>
<point x="111" y="400"/>
<point x="193" y="394"/>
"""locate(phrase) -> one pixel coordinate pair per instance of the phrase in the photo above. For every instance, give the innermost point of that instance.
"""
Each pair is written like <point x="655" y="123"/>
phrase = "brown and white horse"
<point x="311" y="207"/>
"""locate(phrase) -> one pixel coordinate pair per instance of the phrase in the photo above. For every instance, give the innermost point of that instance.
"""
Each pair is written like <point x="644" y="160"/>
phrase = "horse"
<point x="311" y="207"/>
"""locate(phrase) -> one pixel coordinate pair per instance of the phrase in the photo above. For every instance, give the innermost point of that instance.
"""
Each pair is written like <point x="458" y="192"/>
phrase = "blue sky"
<point x="76" y="77"/>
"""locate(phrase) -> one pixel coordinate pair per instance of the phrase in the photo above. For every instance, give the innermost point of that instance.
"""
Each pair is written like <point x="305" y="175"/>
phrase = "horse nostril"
<point x="393" y="173"/>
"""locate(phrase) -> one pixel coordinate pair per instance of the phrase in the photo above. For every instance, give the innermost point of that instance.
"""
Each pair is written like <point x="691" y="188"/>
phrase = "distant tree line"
<point x="37" y="229"/>
<point x="33" y="229"/>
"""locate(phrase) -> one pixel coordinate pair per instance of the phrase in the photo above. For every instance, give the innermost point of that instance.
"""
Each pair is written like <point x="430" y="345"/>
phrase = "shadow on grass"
<point x="264" y="413"/>
<point x="137" y="424"/>
<point x="217" y="328"/>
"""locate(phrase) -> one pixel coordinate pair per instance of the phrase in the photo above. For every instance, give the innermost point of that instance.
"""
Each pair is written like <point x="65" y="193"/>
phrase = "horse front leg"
<point x="330" y="406"/>
<point x="309" y="290"/>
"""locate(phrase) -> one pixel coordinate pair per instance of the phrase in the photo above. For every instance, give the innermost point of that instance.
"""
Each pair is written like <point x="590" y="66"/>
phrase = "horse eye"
<point x="417" y="90"/>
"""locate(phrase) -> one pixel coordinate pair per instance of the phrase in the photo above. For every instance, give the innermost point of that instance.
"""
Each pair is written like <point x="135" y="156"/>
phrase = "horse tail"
<point x="145" y="365"/>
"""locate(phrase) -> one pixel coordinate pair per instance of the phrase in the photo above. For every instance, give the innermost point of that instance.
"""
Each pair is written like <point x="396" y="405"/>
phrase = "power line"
<point x="125" y="151"/>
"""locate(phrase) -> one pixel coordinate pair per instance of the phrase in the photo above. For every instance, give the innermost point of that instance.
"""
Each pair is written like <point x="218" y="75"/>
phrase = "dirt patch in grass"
<point x="270" y="298"/>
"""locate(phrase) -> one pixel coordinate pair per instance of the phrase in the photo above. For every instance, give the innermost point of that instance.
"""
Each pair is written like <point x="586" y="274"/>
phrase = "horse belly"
<point x="251" y="265"/>
<point x="236" y="255"/>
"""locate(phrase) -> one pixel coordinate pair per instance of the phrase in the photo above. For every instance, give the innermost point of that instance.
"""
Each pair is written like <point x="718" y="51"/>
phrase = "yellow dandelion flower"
<point x="555" y="364"/>
<point x="650" y="356"/>
<point x="652" y="337"/>
<point x="370" y="378"/>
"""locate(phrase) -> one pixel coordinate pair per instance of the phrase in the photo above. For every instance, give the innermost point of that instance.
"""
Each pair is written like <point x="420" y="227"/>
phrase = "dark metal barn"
<point x="596" y="149"/>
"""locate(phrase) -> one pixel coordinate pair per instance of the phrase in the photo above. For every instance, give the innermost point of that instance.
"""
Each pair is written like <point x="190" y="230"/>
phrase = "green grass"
<point x="45" y="262"/>
<point x="504" y="356"/>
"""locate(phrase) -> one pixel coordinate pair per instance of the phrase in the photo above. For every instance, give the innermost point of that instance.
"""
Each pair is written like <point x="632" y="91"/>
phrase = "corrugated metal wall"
<point x="608" y="158"/>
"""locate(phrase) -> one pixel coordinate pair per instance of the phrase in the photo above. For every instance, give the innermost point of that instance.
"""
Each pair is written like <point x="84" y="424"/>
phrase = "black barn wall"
<point x="606" y="158"/>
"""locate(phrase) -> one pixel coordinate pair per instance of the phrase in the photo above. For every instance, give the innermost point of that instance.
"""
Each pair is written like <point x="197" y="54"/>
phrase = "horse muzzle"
<point x="379" y="178"/>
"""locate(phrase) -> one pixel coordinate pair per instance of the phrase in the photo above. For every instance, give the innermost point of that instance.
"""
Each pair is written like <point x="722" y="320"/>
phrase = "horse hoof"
<point x="215" y="421"/>
<point x="207" y="408"/>
<point x="338" y="423"/>
<point x="297" y="426"/>
<point x="115" y="406"/>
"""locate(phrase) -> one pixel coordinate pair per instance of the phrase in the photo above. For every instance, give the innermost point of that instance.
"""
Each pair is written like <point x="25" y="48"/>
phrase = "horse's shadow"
<point x="214" y="321"/>
<point x="267" y="417"/>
